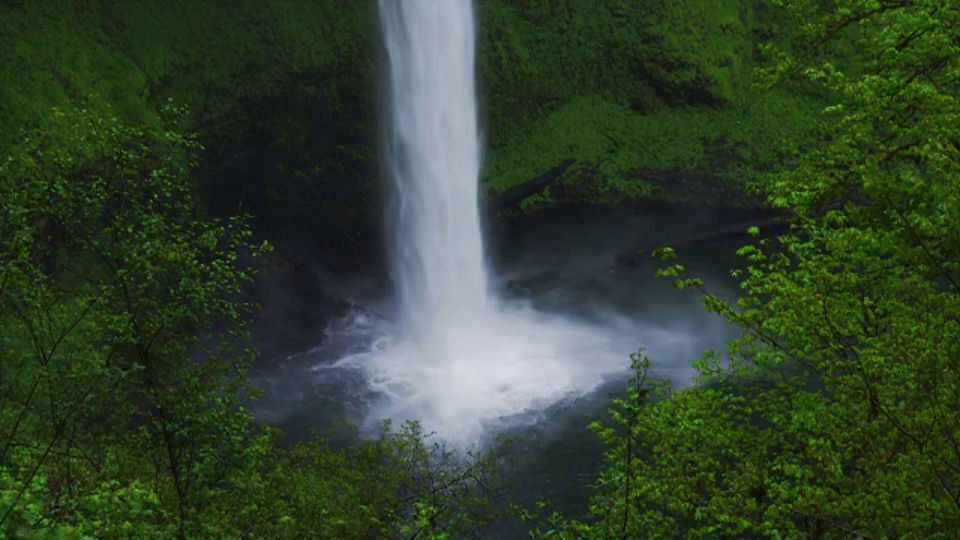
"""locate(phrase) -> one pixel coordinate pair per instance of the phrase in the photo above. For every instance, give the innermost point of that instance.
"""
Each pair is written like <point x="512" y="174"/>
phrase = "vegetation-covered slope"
<point x="284" y="95"/>
<point x="280" y="91"/>
<point x="621" y="85"/>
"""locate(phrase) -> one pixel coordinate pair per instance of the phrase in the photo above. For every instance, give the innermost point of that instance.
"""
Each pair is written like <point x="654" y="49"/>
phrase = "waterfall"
<point x="436" y="248"/>
<point x="457" y="359"/>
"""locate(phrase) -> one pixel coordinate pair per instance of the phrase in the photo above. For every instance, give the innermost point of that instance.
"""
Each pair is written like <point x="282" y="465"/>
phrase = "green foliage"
<point x="610" y="143"/>
<point x="835" y="415"/>
<point x="282" y="94"/>
<point x="123" y="373"/>
<point x="536" y="55"/>
<point x="401" y="482"/>
<point x="120" y="327"/>
<point x="199" y="53"/>
<point x="56" y="52"/>
<point x="621" y="86"/>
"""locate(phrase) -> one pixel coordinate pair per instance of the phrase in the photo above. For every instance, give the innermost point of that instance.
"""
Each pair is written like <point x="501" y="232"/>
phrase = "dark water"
<point x="562" y="265"/>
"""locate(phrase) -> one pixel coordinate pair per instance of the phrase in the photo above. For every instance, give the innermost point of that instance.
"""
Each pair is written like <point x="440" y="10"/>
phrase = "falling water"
<point x="463" y="360"/>
<point x="437" y="252"/>
<point x="459" y="359"/>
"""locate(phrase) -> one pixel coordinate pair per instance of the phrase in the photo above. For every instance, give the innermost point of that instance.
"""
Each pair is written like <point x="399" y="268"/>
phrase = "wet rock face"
<point x="306" y="175"/>
<point x="294" y="309"/>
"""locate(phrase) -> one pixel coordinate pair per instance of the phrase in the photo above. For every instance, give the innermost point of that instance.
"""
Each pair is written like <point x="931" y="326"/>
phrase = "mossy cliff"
<point x="279" y="92"/>
<point x="623" y="86"/>
<point x="284" y="95"/>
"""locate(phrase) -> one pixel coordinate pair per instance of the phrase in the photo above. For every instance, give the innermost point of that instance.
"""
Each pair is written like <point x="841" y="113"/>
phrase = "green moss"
<point x="620" y="86"/>
<point x="609" y="141"/>
<point x="134" y="55"/>
<point x="54" y="53"/>
<point x="537" y="55"/>
<point x="281" y="92"/>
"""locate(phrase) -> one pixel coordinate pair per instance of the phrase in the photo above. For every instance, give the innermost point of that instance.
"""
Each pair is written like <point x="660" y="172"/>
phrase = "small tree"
<point x="122" y="328"/>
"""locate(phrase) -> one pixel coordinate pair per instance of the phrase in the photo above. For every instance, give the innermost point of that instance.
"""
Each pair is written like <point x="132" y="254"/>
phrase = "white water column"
<point x="436" y="248"/>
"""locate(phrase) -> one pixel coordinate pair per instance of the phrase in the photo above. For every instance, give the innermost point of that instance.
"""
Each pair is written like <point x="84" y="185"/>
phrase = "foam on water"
<point x="506" y="372"/>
